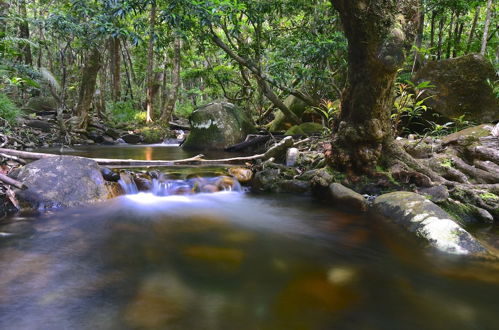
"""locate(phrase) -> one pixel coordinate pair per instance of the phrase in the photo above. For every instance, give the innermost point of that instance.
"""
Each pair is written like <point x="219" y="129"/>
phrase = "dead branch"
<point x="12" y="182"/>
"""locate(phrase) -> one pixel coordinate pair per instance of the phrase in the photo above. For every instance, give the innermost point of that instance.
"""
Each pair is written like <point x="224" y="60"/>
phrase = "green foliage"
<point x="329" y="111"/>
<point x="8" y="110"/>
<point x="124" y="112"/>
<point x="446" y="163"/>
<point x="488" y="196"/>
<point x="409" y="103"/>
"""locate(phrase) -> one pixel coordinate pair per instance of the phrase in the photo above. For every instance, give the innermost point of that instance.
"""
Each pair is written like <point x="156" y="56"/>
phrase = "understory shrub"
<point x="8" y="110"/>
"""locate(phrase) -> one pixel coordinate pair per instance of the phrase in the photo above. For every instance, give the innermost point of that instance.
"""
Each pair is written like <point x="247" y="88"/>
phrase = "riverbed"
<point x="230" y="260"/>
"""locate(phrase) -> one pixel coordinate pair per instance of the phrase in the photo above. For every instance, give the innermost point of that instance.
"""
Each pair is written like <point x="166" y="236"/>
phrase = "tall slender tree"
<point x="150" y="65"/>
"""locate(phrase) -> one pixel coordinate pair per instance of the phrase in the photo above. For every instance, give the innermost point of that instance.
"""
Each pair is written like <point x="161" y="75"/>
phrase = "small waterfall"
<point x="128" y="184"/>
<point x="161" y="185"/>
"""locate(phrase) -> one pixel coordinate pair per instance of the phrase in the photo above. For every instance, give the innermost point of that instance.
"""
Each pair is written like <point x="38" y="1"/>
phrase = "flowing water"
<point x="231" y="260"/>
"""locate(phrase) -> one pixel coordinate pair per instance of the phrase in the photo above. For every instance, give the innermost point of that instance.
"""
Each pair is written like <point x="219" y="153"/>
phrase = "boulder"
<point x="461" y="88"/>
<point x="281" y="122"/>
<point x="41" y="104"/>
<point x="428" y="221"/>
<point x="132" y="138"/>
<point x="307" y="129"/>
<point x="345" y="197"/>
<point x="61" y="182"/>
<point x="42" y="125"/>
<point x="217" y="126"/>
<point x="471" y="133"/>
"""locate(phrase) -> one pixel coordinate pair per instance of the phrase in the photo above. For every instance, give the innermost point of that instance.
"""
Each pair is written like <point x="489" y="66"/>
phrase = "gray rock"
<point x="61" y="182"/>
<point x="462" y="88"/>
<point x="428" y="221"/>
<point x="437" y="194"/>
<point x="132" y="138"/>
<point x="294" y="186"/>
<point x="42" y="125"/>
<point x="346" y="197"/>
<point x="266" y="179"/>
<point x="217" y="126"/>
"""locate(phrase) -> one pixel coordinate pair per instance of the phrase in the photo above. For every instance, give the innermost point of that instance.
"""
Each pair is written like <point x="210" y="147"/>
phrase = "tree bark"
<point x="376" y="44"/>
<point x="441" y="25"/>
<point x="173" y="95"/>
<point x="115" y="56"/>
<point x="24" y="33"/>
<point x="150" y="66"/>
<point x="418" y="58"/>
<point x="449" y="36"/>
<point x="87" y="86"/>
<point x="486" y="28"/>
<point x="473" y="29"/>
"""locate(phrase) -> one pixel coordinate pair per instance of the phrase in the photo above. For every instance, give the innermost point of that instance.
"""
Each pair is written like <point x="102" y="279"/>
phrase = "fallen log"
<point x="276" y="150"/>
<point x="256" y="141"/>
<point x="12" y="182"/>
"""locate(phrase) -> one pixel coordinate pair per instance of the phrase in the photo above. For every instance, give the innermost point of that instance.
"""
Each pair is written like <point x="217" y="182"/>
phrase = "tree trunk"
<point x="449" y="36"/>
<point x="457" y="41"/>
<point x="150" y="66"/>
<point x="24" y="33"/>
<point x="441" y="25"/>
<point x="87" y="86"/>
<point x="418" y="58"/>
<point x="4" y="10"/>
<point x="172" y="97"/>
<point x="473" y="29"/>
<point x="486" y="28"/>
<point x="376" y="44"/>
<point x="115" y="55"/>
<point x="432" y="29"/>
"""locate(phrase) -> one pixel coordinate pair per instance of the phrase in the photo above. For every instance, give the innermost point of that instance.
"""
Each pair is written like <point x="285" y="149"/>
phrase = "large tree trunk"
<point x="87" y="86"/>
<point x="150" y="66"/>
<point x="376" y="45"/>
<point x="115" y="55"/>
<point x="486" y="28"/>
<point x="172" y="97"/>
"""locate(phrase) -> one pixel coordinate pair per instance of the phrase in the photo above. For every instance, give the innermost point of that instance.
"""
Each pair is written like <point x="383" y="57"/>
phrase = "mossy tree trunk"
<point x="376" y="42"/>
<point x="87" y="86"/>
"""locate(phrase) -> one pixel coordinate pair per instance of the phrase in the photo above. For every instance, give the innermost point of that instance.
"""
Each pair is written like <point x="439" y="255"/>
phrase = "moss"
<point x="488" y="196"/>
<point x="446" y="163"/>
<point x="154" y="134"/>
<point x="462" y="213"/>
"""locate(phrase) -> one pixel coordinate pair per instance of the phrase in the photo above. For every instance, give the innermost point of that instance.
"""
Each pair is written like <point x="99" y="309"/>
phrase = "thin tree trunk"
<point x="24" y="33"/>
<point x="432" y="29"/>
<point x="441" y="25"/>
<point x="87" y="86"/>
<point x="486" y="28"/>
<point x="449" y="36"/>
<point x="115" y="56"/>
<point x="172" y="98"/>
<point x="150" y="66"/>
<point x="4" y="10"/>
<point x="127" y="72"/>
<point x="418" y="58"/>
<point x="473" y="29"/>
<point x="457" y="41"/>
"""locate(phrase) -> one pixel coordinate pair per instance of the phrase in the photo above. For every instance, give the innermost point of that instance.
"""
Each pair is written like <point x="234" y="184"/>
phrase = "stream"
<point x="229" y="260"/>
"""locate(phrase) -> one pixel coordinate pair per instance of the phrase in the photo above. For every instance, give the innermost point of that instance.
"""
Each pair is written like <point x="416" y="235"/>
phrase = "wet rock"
<point x="61" y="182"/>
<point x="114" y="133"/>
<point x="294" y="186"/>
<point x="243" y="175"/>
<point x="217" y="126"/>
<point x="428" y="221"/>
<point x="109" y="175"/>
<point x="266" y="179"/>
<point x="95" y="136"/>
<point x="437" y="194"/>
<point x="462" y="88"/>
<point x="107" y="140"/>
<point x="114" y="189"/>
<point x="345" y="197"/>
<point x="321" y="179"/>
<point x="220" y="259"/>
<point x="132" y="138"/>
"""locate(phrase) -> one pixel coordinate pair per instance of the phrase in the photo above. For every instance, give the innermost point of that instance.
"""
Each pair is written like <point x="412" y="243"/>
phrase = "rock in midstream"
<point x="428" y="221"/>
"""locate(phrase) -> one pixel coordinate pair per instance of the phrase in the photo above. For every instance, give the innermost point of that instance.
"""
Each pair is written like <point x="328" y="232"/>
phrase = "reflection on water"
<point x="139" y="152"/>
<point x="230" y="261"/>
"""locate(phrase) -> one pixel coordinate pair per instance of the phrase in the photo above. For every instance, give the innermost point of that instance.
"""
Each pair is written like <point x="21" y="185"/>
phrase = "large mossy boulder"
<point x="217" y="126"/>
<point x="281" y="122"/>
<point x="305" y="129"/>
<point x="41" y="104"/>
<point x="428" y="221"/>
<point x="63" y="181"/>
<point x="462" y="88"/>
